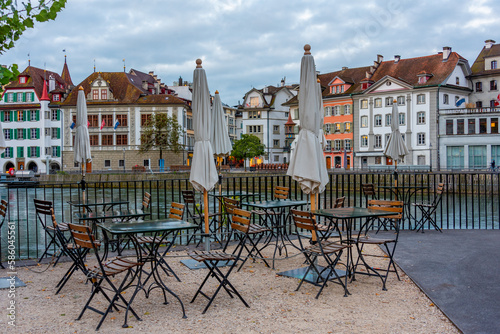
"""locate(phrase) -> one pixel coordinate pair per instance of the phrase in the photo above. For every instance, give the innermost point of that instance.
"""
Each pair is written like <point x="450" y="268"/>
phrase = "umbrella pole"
<point x="205" y="212"/>
<point x="83" y="186"/>
<point x="313" y="207"/>
<point x="396" y="177"/>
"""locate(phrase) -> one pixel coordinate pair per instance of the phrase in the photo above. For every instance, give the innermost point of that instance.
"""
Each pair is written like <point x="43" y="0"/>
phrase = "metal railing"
<point x="471" y="199"/>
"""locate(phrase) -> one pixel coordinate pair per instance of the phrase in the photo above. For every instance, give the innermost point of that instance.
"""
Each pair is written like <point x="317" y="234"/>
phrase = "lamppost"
<point x="124" y="159"/>
<point x="430" y="157"/>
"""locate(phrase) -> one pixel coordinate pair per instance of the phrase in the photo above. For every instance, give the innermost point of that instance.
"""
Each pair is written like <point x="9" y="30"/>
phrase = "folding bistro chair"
<point x="369" y="191"/>
<point x="3" y="214"/>
<point x="105" y="272"/>
<point x="389" y="243"/>
<point x="195" y="213"/>
<point x="211" y="260"/>
<point x="428" y="210"/>
<point x="249" y="235"/>
<point x="43" y="211"/>
<point x="315" y="249"/>
<point x="150" y="242"/>
<point x="331" y="230"/>
<point x="229" y="204"/>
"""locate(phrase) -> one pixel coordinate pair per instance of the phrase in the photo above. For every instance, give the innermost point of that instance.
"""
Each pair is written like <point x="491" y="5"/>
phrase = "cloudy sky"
<point x="250" y="43"/>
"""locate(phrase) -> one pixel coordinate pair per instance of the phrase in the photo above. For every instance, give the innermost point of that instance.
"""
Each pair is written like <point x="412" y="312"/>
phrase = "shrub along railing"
<point x="471" y="199"/>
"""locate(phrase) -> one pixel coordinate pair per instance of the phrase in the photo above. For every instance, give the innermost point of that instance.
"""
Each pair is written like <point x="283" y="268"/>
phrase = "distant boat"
<point x="23" y="179"/>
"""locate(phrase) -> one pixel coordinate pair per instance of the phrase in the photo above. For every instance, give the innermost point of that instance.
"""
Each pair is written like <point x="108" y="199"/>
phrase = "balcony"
<point x="468" y="111"/>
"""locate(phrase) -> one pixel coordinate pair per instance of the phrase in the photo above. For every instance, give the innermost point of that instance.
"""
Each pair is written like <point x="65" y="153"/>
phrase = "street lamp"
<point x="430" y="157"/>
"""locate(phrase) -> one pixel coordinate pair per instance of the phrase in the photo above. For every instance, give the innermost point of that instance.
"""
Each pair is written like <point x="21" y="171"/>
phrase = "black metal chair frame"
<point x="84" y="238"/>
<point x="195" y="213"/>
<point x="211" y="261"/>
<point x="364" y="238"/>
<point x="428" y="210"/>
<point x="43" y="210"/>
<point x="317" y="248"/>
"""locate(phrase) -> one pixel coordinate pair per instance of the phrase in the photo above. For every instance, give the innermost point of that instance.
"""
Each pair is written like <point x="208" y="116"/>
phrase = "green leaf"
<point x="43" y="16"/>
<point x="28" y="23"/>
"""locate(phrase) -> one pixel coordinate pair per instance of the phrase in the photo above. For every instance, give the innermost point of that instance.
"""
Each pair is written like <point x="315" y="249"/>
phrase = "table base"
<point x="312" y="277"/>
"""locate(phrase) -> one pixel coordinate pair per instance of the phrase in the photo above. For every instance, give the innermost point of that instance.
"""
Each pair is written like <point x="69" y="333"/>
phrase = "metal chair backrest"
<point x="369" y="190"/>
<point x="281" y="192"/>
<point x="188" y="197"/>
<point x="230" y="204"/>
<point x="3" y="209"/>
<point x="339" y="202"/>
<point x="241" y="220"/>
<point x="389" y="206"/>
<point x="439" y="194"/>
<point x="176" y="211"/>
<point x="146" y="200"/>
<point x="43" y="208"/>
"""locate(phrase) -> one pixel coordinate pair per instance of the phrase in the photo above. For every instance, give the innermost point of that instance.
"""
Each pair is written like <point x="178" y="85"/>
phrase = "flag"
<point x="497" y="102"/>
<point x="72" y="126"/>
<point x="102" y="124"/>
<point x="459" y="102"/>
<point x="116" y="125"/>
<point x="88" y="124"/>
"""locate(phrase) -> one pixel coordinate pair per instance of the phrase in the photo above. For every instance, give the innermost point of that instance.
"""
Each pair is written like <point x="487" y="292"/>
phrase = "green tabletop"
<point x="164" y="225"/>
<point x="275" y="204"/>
<point x="352" y="213"/>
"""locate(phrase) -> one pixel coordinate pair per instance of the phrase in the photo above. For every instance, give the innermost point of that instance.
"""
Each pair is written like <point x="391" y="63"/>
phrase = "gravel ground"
<point x="275" y="306"/>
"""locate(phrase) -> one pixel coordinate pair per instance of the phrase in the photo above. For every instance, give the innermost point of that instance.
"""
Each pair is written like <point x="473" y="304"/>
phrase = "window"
<point x="493" y="64"/>
<point x="121" y="140"/>
<point x="479" y="104"/>
<point x="347" y="126"/>
<point x="420" y="99"/>
<point x="378" y="141"/>
<point x="6" y="116"/>
<point x="254" y="114"/>
<point x="388" y="101"/>
<point x="477" y="156"/>
<point x="347" y="144"/>
<point x="421" y="117"/>
<point x="6" y="134"/>
<point x="364" y="121"/>
<point x="121" y="163"/>
<point x="460" y="126"/>
<point x="122" y="119"/>
<point x="388" y="118"/>
<point x="364" y="141"/>
<point x="364" y="104"/>
<point x="95" y="94"/>
<point x="337" y="127"/>
<point x="457" y="80"/>
<point x="471" y="128"/>
<point x="421" y="160"/>
<point x="144" y="119"/>
<point x="328" y="111"/>
<point x="276" y="143"/>
<point x="328" y="147"/>
<point x="493" y="103"/>
<point x="493" y="85"/>
<point x="55" y="97"/>
<point x="328" y="128"/>
<point x="401" y="100"/>
<point x="402" y="118"/>
<point x="29" y="97"/>
<point x="449" y="126"/>
<point x="446" y="99"/>
<point x="337" y="144"/>
<point x="22" y="80"/>
<point x="104" y="94"/>
<point x="10" y="97"/>
<point x="378" y="160"/>
<point x="9" y="152"/>
<point x="107" y="140"/>
<point x="32" y="152"/>
<point x="93" y="121"/>
<point x="482" y="125"/>
<point x="94" y="140"/>
<point x="479" y="86"/>
<point x="20" y="134"/>
<point x="421" y="138"/>
<point x="54" y="133"/>
<point x="455" y="157"/>
<point x="276" y="158"/>
<point x="336" y="111"/>
<point x="276" y="129"/>
<point x="55" y="151"/>
<point x="254" y="101"/>
<point x="378" y="120"/>
<point x="378" y="103"/>
<point x="20" y="117"/>
<point x="107" y="163"/>
<point x="347" y="109"/>
<point x="33" y="115"/>
<point x="54" y="115"/>
<point x="494" y="125"/>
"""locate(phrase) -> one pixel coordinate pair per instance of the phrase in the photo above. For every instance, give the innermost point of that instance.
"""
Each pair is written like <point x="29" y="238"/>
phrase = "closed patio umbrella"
<point x="396" y="148"/>
<point x="219" y="136"/>
<point x="81" y="146"/>
<point x="203" y="174"/>
<point x="307" y="165"/>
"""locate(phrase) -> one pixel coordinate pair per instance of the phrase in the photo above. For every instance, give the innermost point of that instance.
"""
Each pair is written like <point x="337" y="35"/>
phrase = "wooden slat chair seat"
<point x="388" y="243"/>
<point x="314" y="249"/>
<point x="3" y="214"/>
<point x="105" y="272"/>
<point x="211" y="260"/>
<point x="428" y="209"/>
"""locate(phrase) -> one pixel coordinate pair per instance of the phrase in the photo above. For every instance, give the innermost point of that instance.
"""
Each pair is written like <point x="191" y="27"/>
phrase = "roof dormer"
<point x="100" y="90"/>
<point x="423" y="77"/>
<point x="23" y="79"/>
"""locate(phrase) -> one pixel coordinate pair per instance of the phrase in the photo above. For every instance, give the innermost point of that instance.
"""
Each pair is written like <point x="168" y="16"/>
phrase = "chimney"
<point x="344" y="68"/>
<point x="151" y="73"/>
<point x="489" y="43"/>
<point x="375" y="64"/>
<point x="446" y="52"/>
<point x="283" y="82"/>
<point x="372" y="70"/>
<point x="145" y="85"/>
<point x="396" y="59"/>
<point x="380" y="58"/>
<point x="180" y="81"/>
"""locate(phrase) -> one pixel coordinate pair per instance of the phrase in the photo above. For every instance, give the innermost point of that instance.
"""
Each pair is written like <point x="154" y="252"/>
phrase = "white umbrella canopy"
<point x="307" y="165"/>
<point x="221" y="144"/>
<point x="203" y="174"/>
<point x="81" y="146"/>
<point x="396" y="148"/>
